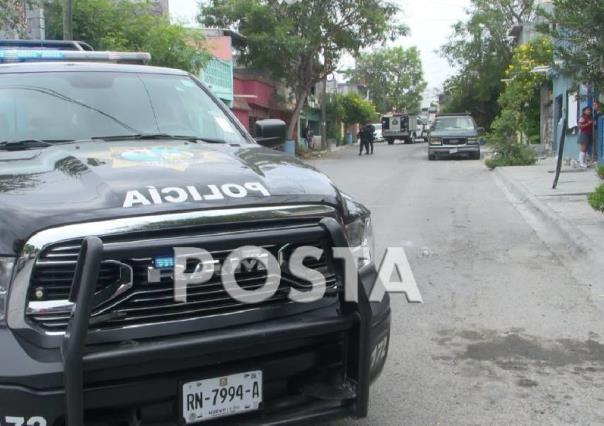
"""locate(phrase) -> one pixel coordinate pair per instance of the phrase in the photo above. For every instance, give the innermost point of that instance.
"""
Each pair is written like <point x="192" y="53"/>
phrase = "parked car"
<point x="421" y="130"/>
<point x="454" y="134"/>
<point x="118" y="182"/>
<point x="377" y="134"/>
<point x="399" y="127"/>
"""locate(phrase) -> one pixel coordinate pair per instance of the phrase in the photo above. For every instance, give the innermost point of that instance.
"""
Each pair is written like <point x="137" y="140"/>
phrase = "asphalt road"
<point x="506" y="333"/>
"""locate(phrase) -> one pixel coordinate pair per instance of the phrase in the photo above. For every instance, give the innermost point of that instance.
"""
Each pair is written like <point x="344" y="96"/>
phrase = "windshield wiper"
<point x="155" y="136"/>
<point x="24" y="144"/>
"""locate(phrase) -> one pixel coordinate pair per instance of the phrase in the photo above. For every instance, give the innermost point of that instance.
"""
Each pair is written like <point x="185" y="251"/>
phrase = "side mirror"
<point x="481" y="130"/>
<point x="271" y="132"/>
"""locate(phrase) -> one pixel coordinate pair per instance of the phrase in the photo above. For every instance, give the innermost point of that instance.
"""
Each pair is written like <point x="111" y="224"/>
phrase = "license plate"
<point x="221" y="396"/>
<point x="453" y="151"/>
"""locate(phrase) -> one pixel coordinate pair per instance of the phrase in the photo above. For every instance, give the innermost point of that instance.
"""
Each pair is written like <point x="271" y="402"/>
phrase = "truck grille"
<point x="455" y="141"/>
<point x="148" y="302"/>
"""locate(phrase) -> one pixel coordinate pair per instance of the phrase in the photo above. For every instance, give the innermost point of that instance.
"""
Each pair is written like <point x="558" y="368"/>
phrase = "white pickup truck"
<point x="399" y="126"/>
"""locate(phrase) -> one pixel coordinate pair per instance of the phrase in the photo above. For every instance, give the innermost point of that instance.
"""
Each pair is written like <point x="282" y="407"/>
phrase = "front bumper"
<point x="397" y="135"/>
<point x="335" y="349"/>
<point x="142" y="380"/>
<point x="457" y="149"/>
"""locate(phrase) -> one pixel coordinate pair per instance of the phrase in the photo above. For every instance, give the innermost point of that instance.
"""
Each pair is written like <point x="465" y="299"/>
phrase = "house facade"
<point x="569" y="99"/>
<point x="218" y="73"/>
<point x="257" y="97"/>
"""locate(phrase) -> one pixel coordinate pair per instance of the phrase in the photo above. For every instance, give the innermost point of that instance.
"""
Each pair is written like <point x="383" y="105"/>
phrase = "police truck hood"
<point x="91" y="181"/>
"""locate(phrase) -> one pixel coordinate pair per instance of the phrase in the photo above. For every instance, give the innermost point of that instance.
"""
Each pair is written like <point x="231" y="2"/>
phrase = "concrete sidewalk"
<point x="566" y="207"/>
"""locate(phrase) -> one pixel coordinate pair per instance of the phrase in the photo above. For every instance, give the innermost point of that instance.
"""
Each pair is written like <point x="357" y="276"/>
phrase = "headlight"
<point x="6" y="270"/>
<point x="360" y="238"/>
<point x="436" y="141"/>
<point x="472" y="141"/>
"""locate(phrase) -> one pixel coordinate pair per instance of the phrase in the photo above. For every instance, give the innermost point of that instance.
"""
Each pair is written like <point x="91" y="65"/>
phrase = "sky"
<point x="430" y="22"/>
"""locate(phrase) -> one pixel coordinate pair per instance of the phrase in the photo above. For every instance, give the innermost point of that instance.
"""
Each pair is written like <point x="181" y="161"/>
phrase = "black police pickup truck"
<point x="106" y="168"/>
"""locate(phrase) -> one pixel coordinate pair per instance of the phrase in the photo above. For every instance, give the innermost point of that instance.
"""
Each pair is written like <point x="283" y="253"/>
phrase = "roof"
<point x="223" y="31"/>
<point x="241" y="104"/>
<point x="33" y="67"/>
<point x="239" y="40"/>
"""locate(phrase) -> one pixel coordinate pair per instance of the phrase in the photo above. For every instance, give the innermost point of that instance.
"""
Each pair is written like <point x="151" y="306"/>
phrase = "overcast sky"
<point x="430" y="22"/>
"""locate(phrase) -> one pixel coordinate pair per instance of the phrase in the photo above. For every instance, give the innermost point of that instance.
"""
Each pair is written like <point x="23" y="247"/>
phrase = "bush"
<point x="357" y="109"/>
<point x="511" y="154"/>
<point x="596" y="199"/>
<point x="600" y="171"/>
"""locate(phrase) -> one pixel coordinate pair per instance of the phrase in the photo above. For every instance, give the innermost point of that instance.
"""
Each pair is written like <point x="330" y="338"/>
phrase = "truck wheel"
<point x="390" y="141"/>
<point x="475" y="155"/>
<point x="431" y="157"/>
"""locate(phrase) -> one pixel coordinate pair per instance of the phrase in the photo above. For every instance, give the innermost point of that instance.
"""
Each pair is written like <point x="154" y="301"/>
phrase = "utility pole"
<point x="67" y="19"/>
<point x="324" y="143"/>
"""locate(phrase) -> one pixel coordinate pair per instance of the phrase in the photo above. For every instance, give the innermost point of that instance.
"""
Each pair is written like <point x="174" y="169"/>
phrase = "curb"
<point x="573" y="235"/>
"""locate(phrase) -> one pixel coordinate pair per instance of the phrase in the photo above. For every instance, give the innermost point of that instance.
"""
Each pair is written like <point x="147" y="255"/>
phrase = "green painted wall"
<point x="218" y="76"/>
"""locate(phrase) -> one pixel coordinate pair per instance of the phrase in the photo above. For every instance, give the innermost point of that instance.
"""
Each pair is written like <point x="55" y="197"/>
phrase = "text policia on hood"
<point x="174" y="194"/>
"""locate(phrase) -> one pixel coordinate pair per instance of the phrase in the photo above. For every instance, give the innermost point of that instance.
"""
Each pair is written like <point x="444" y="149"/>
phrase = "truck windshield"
<point x="454" y="123"/>
<point x="64" y="106"/>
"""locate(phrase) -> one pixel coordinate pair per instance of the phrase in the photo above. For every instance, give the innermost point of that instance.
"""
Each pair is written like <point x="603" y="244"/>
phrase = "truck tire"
<point x="431" y="157"/>
<point x="475" y="155"/>
<point x="390" y="141"/>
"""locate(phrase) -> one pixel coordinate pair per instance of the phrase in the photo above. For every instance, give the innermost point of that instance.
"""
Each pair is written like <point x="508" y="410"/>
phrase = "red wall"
<point x="259" y="99"/>
<point x="219" y="47"/>
<point x="263" y="92"/>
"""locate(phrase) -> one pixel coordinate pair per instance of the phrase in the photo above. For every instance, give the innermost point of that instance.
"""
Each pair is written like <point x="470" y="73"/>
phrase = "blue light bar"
<point x="163" y="262"/>
<point x="23" y="55"/>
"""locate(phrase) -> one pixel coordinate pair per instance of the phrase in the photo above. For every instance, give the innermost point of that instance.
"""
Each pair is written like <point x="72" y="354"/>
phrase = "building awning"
<point x="241" y="104"/>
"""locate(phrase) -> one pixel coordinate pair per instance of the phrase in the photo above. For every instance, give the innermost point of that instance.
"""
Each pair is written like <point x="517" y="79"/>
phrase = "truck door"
<point x="385" y="123"/>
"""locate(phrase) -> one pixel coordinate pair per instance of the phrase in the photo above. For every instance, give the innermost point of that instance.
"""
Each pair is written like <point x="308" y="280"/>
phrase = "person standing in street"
<point x="586" y="129"/>
<point x="366" y="136"/>
<point x="362" y="141"/>
<point x="370" y="135"/>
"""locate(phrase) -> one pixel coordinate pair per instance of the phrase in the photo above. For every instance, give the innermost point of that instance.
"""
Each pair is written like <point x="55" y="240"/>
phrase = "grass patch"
<point x="596" y="198"/>
<point x="600" y="171"/>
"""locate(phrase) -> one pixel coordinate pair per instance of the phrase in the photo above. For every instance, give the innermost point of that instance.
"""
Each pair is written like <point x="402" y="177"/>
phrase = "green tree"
<point x="520" y="104"/>
<point x="348" y="109"/>
<point x="577" y="28"/>
<point x="521" y="96"/>
<point x="302" y="42"/>
<point x="335" y="117"/>
<point x="479" y="48"/>
<point x="356" y="109"/>
<point x="393" y="76"/>
<point x="127" y="25"/>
